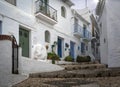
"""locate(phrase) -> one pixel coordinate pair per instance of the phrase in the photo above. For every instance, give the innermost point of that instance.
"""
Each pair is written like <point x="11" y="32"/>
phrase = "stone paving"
<point x="72" y="77"/>
<point x="71" y="82"/>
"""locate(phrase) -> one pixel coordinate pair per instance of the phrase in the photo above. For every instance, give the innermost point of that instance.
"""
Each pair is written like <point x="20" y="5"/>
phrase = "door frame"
<point x="29" y="30"/>
<point x="83" y="50"/>
<point x="62" y="39"/>
<point x="74" y="48"/>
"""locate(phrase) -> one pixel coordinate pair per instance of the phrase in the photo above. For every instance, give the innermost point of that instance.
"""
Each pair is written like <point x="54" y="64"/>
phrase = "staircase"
<point x="75" y="75"/>
<point x="79" y="71"/>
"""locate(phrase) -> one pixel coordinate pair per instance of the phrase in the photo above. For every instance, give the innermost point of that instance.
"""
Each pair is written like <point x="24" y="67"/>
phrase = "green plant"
<point x="53" y="56"/>
<point x="83" y="59"/>
<point x="88" y="58"/>
<point x="54" y="45"/>
<point x="68" y="58"/>
<point x="53" y="61"/>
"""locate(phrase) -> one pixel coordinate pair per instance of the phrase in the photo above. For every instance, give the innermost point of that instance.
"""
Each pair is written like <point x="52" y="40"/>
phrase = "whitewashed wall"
<point x="110" y="51"/>
<point x="5" y="57"/>
<point x="113" y="32"/>
<point x="22" y="15"/>
<point x="104" y="38"/>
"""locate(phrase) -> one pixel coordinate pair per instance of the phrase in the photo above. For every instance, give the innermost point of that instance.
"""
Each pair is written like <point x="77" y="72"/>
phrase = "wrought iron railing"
<point x="46" y="9"/>
<point x="86" y="34"/>
<point x="78" y="29"/>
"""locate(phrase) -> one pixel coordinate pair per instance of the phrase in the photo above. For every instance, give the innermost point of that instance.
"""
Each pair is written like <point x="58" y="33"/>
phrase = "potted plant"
<point x="54" y="44"/>
<point x="53" y="56"/>
<point x="68" y="58"/>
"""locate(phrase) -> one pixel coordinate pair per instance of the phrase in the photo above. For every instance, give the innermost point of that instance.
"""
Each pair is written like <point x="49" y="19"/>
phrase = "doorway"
<point x="60" y="47"/>
<point x="24" y="41"/>
<point x="72" y="49"/>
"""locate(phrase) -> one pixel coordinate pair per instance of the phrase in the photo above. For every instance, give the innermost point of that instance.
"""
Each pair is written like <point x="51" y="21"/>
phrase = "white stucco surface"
<point x="103" y="38"/>
<point x="109" y="39"/>
<point x="7" y="79"/>
<point x="24" y="16"/>
<point x="113" y="33"/>
<point x="34" y="66"/>
<point x="6" y="56"/>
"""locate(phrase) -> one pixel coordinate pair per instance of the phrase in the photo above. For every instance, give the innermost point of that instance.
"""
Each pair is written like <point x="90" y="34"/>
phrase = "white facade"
<point x="5" y="60"/>
<point x="85" y="14"/>
<point x="95" y="42"/>
<point x="24" y="16"/>
<point x="109" y="32"/>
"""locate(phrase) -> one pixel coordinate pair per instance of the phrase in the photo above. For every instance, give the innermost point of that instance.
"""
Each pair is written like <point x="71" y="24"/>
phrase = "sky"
<point x="80" y="4"/>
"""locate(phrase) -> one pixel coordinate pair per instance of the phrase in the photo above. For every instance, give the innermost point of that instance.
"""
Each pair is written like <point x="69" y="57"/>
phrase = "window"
<point x="0" y="27"/>
<point x="63" y="12"/>
<point x="47" y="36"/>
<point x="13" y="2"/>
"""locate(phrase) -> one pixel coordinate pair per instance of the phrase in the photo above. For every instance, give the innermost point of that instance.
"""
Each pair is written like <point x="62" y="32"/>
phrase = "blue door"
<point x="82" y="47"/>
<point x="60" y="47"/>
<point x="72" y="49"/>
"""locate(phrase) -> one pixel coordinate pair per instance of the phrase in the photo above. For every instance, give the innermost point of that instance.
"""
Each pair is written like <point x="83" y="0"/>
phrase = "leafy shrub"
<point x="83" y="59"/>
<point x="88" y="58"/>
<point x="68" y="58"/>
<point x="53" y="56"/>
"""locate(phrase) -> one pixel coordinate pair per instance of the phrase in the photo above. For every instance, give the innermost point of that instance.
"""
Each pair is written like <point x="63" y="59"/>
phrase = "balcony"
<point x="45" y="12"/>
<point x="78" y="30"/>
<point x="86" y="35"/>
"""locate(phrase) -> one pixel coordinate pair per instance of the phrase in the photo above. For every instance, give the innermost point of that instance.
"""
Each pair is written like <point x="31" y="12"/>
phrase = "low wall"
<point x="33" y="66"/>
<point x="5" y="54"/>
<point x="28" y="65"/>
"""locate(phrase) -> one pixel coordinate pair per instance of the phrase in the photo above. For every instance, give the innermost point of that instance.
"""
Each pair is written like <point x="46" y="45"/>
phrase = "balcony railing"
<point x="86" y="35"/>
<point x="45" y="9"/>
<point x="78" y="30"/>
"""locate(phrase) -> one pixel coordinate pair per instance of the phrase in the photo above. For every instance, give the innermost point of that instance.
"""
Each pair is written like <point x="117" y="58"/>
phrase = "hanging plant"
<point x="67" y="45"/>
<point x="55" y="43"/>
<point x="52" y="46"/>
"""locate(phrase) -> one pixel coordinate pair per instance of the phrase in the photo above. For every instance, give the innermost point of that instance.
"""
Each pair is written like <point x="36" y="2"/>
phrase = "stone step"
<point x="84" y="66"/>
<point x="76" y="63"/>
<point x="78" y="73"/>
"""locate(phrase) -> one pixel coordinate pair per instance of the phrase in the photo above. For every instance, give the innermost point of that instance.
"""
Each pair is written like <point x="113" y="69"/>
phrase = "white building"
<point x="43" y="22"/>
<point x="95" y="42"/>
<point x="86" y="40"/>
<point x="108" y="20"/>
<point x="85" y="35"/>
